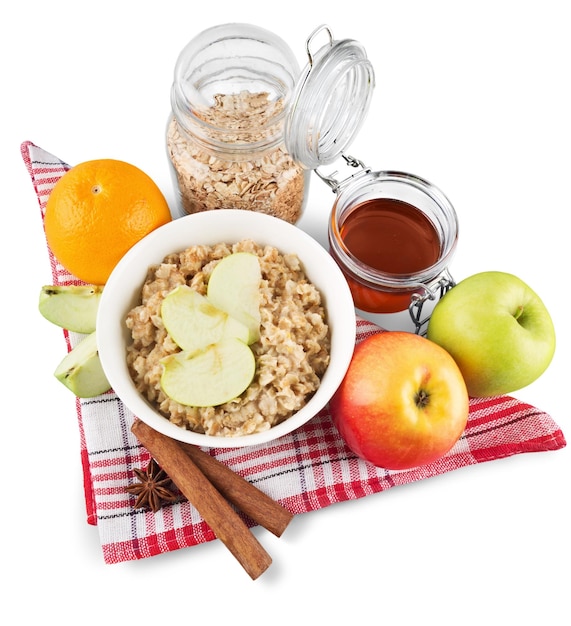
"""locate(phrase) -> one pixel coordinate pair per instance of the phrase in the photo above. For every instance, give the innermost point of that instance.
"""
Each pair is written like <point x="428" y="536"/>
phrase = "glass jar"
<point x="393" y="235"/>
<point x="232" y="89"/>
<point x="404" y="221"/>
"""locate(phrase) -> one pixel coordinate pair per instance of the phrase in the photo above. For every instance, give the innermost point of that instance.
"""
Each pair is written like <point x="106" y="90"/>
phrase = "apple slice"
<point x="194" y="323"/>
<point x="234" y="287"/>
<point x="81" y="370"/>
<point x="218" y="374"/>
<point x="71" y="306"/>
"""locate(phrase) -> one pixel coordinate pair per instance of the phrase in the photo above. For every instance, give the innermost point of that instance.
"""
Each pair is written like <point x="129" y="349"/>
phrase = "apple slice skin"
<point x="73" y="307"/>
<point x="81" y="371"/>
<point x="234" y="287"/>
<point x="497" y="329"/>
<point x="194" y="322"/>
<point x="213" y="376"/>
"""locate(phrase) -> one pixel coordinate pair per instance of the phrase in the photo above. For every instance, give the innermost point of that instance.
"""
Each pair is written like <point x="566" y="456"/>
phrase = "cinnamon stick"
<point x="214" y="509"/>
<point x="257" y="505"/>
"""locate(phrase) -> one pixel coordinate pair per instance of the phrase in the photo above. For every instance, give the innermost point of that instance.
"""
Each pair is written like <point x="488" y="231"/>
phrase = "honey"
<point x="391" y="236"/>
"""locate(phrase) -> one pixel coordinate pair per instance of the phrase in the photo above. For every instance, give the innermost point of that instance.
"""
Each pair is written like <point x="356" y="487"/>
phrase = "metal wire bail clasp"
<point x="309" y="40"/>
<point x="432" y="293"/>
<point x="337" y="184"/>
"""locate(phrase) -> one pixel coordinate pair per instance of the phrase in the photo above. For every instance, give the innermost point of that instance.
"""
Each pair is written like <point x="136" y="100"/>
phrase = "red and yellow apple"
<point x="402" y="403"/>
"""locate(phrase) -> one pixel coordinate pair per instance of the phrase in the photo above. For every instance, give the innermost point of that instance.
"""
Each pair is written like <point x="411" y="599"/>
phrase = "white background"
<point x="472" y="96"/>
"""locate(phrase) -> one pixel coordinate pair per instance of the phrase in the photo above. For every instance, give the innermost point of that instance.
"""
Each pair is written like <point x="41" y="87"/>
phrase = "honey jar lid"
<point x="330" y="102"/>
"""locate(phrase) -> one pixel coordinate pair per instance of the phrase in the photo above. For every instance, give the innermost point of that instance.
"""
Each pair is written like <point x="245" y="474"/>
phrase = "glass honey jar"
<point x="392" y="234"/>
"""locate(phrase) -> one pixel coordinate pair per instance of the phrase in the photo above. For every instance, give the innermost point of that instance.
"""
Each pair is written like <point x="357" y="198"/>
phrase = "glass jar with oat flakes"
<point x="247" y="127"/>
<point x="232" y="88"/>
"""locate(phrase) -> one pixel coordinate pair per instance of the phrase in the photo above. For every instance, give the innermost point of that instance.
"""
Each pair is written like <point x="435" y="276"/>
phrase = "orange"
<point x="97" y="211"/>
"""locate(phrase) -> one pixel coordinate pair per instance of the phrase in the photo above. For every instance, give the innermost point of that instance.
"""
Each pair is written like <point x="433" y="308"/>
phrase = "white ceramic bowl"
<point x="123" y="289"/>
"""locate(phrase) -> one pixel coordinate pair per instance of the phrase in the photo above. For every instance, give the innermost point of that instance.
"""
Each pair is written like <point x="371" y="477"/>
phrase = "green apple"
<point x="71" y="306"/>
<point x="402" y="403"/>
<point x="234" y="287"/>
<point x="81" y="370"/>
<point x="213" y="376"/>
<point x="498" y="331"/>
<point x="194" y="322"/>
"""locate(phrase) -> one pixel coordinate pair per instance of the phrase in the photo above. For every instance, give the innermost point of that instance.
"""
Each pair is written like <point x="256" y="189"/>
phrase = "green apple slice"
<point x="71" y="306"/>
<point x="81" y="370"/>
<point x="234" y="287"/>
<point x="194" y="323"/>
<point x="218" y="374"/>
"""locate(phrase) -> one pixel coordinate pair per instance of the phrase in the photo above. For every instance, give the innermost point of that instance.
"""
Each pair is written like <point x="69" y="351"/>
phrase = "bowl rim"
<point x="122" y="291"/>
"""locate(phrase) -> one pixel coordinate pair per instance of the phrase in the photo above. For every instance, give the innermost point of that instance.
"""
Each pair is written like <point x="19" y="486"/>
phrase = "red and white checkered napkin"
<point x="306" y="470"/>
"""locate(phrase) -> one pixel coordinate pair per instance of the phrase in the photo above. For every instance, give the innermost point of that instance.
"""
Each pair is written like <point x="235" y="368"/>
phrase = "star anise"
<point x="154" y="489"/>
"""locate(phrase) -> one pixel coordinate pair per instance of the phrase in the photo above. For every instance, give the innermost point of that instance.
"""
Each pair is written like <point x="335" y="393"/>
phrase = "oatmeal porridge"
<point x="291" y="355"/>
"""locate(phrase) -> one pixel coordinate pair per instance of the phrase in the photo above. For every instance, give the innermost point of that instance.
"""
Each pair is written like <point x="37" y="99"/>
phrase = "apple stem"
<point x="519" y="311"/>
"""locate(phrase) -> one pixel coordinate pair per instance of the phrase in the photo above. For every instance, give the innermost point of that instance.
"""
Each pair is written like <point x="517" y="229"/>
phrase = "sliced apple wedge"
<point x="81" y="371"/>
<point x="194" y="323"/>
<point x="218" y="374"/>
<point x="71" y="306"/>
<point x="234" y="287"/>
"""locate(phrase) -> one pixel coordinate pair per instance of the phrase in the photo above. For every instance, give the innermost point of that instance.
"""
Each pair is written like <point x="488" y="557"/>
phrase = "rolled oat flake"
<point x="247" y="127"/>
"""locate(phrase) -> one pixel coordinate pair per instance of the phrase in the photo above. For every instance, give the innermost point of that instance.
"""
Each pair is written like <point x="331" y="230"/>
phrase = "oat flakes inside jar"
<point x="232" y="88"/>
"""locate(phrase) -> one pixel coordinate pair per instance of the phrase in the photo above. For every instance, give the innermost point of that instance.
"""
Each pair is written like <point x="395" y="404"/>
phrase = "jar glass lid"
<point x="330" y="101"/>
